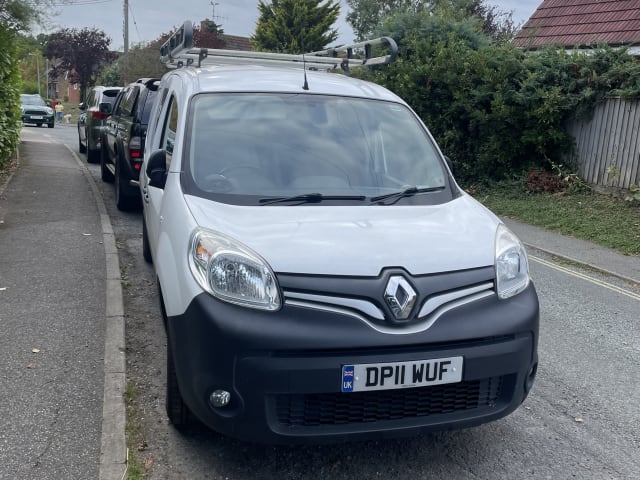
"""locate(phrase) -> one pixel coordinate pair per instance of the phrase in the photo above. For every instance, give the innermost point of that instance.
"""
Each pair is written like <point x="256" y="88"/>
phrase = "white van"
<point x="322" y="275"/>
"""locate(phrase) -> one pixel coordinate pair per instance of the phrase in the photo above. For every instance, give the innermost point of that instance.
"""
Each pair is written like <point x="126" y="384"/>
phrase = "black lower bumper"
<point x="283" y="369"/>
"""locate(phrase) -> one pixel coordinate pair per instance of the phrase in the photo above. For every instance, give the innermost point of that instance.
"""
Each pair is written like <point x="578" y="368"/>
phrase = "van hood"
<point x="358" y="240"/>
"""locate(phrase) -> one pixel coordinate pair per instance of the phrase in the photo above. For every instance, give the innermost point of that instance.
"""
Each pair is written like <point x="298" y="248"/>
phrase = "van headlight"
<point x="512" y="266"/>
<point x="232" y="272"/>
<point x="49" y="111"/>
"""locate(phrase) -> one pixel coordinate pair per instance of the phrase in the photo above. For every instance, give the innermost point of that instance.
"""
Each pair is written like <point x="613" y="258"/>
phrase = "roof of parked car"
<point x="255" y="78"/>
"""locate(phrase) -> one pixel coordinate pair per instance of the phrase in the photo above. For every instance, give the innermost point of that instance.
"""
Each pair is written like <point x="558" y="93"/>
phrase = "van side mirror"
<point x="82" y="106"/>
<point x="157" y="169"/>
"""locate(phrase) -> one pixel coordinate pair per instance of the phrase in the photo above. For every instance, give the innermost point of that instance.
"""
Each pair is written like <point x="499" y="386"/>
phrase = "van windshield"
<point x="280" y="145"/>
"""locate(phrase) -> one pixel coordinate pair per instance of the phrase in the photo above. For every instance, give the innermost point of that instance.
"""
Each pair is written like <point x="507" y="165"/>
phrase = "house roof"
<point x="234" y="42"/>
<point x="582" y="23"/>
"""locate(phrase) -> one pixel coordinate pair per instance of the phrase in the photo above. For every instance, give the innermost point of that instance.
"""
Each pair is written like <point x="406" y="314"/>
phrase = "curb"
<point x="113" y="446"/>
<point x="583" y="264"/>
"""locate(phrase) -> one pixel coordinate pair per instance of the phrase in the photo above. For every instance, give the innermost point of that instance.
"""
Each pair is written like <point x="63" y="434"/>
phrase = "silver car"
<point x="92" y="119"/>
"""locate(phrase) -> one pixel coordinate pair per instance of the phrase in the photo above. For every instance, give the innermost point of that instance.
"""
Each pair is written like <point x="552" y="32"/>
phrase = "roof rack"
<point x="178" y="51"/>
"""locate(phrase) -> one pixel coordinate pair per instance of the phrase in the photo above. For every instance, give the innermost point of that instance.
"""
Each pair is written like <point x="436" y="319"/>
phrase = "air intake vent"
<point x="362" y="407"/>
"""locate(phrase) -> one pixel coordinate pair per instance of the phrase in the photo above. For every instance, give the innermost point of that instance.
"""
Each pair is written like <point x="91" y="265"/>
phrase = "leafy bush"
<point x="496" y="110"/>
<point x="9" y="96"/>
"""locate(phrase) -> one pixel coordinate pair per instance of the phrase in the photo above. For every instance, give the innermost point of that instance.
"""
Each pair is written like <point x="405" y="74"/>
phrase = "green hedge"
<point x="9" y="96"/>
<point x="494" y="109"/>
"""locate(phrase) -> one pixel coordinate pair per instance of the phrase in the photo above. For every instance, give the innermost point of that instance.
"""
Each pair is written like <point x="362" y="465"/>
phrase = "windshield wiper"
<point x="310" y="198"/>
<point x="407" y="192"/>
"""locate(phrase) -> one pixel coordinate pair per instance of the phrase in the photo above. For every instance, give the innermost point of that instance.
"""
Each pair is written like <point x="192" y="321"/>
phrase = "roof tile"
<point x="572" y="23"/>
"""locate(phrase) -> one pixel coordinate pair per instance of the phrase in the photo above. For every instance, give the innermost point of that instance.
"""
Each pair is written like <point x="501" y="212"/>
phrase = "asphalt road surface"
<point x="581" y="421"/>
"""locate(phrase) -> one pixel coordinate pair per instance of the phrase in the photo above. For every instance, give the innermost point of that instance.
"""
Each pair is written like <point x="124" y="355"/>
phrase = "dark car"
<point x="91" y="120"/>
<point x="123" y="140"/>
<point x="35" y="110"/>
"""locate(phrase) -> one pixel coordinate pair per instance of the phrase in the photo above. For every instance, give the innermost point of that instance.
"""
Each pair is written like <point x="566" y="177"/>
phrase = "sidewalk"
<point x="54" y="318"/>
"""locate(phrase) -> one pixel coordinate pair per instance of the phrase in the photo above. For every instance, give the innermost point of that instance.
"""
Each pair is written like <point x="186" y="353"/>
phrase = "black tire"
<point x="38" y="124"/>
<point x="50" y="125"/>
<point x="177" y="411"/>
<point x="81" y="148"/>
<point x="93" y="156"/>
<point x="105" y="173"/>
<point x="146" y="249"/>
<point x="124" y="200"/>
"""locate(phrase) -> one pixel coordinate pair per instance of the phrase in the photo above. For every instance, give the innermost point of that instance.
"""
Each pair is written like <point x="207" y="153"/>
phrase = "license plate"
<point x="388" y="376"/>
<point x="36" y="117"/>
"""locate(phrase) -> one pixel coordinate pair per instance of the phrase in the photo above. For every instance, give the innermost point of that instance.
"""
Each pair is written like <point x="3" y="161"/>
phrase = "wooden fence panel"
<point x="608" y="145"/>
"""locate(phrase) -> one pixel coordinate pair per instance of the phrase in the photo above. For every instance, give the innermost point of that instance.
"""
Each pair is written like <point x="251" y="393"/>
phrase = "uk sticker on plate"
<point x="388" y="376"/>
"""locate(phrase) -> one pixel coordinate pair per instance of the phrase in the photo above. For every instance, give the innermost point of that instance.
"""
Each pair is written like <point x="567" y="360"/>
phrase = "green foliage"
<point x="32" y="70"/>
<point x="367" y="16"/>
<point x="634" y="194"/>
<point x="294" y="26"/>
<point x="496" y="110"/>
<point x="601" y="219"/>
<point x="9" y="96"/>
<point x="141" y="61"/>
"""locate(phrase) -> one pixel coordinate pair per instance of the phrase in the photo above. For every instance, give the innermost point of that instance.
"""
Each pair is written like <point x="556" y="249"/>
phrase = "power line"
<point x="80" y="2"/>
<point x="135" y="23"/>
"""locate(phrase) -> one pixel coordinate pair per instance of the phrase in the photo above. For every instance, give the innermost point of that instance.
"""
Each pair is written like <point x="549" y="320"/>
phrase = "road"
<point x="581" y="421"/>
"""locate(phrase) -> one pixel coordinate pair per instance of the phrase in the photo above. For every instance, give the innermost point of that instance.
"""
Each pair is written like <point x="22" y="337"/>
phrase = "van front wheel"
<point x="177" y="411"/>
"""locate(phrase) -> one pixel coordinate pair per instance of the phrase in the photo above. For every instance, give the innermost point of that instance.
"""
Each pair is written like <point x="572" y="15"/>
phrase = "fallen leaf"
<point x="87" y="234"/>
<point x="35" y="350"/>
<point x="148" y="463"/>
<point x="579" y="420"/>
<point x="31" y="365"/>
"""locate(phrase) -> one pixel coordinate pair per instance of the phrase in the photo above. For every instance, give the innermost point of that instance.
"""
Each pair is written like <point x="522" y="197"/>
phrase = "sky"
<point x="148" y="19"/>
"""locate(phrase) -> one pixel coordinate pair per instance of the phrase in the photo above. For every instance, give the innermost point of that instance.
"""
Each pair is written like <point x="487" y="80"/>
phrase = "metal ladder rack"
<point x="178" y="51"/>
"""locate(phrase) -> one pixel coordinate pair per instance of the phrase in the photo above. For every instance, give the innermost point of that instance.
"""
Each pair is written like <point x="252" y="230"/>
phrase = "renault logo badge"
<point x="400" y="297"/>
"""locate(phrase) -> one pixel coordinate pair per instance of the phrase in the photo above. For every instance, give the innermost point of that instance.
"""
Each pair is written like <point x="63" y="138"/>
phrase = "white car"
<point x="322" y="275"/>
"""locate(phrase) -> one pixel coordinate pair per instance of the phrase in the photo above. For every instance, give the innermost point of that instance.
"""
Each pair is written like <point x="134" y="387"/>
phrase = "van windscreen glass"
<point x="289" y="144"/>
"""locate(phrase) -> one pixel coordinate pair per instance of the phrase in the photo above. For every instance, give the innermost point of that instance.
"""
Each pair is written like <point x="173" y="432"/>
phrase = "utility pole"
<point x="38" y="70"/>
<point x="126" y="27"/>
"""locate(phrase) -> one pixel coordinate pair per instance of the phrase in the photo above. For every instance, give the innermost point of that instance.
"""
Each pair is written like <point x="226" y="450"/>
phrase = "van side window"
<point x="169" y="129"/>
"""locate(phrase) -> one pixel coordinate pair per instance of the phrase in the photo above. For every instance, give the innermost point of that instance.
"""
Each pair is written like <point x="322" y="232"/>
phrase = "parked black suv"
<point x="123" y="140"/>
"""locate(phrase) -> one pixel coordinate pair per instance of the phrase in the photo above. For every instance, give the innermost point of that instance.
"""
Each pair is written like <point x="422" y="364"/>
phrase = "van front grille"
<point x="310" y="410"/>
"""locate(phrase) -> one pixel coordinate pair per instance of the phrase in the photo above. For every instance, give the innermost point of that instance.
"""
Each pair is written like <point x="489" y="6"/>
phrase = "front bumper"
<point x="283" y="369"/>
<point x="38" y="118"/>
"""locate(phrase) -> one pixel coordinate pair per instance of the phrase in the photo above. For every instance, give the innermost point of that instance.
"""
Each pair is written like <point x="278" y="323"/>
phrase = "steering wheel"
<point x="225" y="170"/>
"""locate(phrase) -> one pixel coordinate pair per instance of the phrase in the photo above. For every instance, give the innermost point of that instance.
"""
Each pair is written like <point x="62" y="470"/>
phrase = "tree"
<point x="82" y="52"/>
<point x="18" y="15"/>
<point x="141" y="61"/>
<point x="294" y="26"/>
<point x="367" y="16"/>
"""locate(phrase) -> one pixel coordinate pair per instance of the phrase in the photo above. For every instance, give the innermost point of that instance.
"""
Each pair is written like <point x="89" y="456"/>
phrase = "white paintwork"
<point x="358" y="240"/>
<point x="314" y="239"/>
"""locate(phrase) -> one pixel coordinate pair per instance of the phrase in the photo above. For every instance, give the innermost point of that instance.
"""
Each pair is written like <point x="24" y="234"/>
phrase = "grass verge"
<point x="135" y="442"/>
<point x="602" y="219"/>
